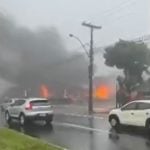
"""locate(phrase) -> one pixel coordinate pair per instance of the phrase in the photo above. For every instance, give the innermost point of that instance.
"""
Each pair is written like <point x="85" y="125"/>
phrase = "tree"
<point x="133" y="58"/>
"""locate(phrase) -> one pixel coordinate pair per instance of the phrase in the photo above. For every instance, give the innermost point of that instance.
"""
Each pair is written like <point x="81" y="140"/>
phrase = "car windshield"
<point x="40" y="103"/>
<point x="70" y="67"/>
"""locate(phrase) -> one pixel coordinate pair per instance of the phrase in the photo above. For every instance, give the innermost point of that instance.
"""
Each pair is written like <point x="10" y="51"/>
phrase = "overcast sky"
<point x="126" y="19"/>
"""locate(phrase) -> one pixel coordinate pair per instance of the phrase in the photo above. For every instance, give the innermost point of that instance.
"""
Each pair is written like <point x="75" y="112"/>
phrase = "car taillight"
<point x="28" y="106"/>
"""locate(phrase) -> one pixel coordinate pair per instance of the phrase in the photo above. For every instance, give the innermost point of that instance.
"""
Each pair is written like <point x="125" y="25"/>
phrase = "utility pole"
<point x="91" y="60"/>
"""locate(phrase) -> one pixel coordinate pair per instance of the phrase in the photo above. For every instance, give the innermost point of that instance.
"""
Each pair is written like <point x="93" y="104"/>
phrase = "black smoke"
<point x="29" y="58"/>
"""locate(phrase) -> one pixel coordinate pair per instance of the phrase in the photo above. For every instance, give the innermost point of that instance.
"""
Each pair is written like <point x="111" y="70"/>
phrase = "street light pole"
<point x="83" y="45"/>
<point x="91" y="59"/>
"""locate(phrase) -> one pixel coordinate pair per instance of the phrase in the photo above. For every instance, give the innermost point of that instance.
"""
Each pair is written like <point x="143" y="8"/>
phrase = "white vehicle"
<point x="7" y="103"/>
<point x="30" y="109"/>
<point x="136" y="113"/>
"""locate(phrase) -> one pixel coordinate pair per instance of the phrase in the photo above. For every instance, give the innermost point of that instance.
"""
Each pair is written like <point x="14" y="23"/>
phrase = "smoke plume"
<point x="29" y="58"/>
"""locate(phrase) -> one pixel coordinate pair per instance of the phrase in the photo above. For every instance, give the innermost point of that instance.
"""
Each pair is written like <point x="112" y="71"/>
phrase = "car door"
<point x="127" y="113"/>
<point x="142" y="113"/>
<point x="12" y="108"/>
<point x="17" y="107"/>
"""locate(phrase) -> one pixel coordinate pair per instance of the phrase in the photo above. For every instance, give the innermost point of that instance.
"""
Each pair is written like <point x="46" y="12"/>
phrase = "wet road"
<point x="86" y="133"/>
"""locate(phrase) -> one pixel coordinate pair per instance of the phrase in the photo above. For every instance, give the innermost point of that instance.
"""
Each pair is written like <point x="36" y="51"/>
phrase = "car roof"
<point x="15" y="98"/>
<point x="141" y="101"/>
<point x="36" y="98"/>
<point x="28" y="99"/>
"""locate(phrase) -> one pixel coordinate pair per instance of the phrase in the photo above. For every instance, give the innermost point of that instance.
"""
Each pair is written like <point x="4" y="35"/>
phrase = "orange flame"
<point x="44" y="91"/>
<point x="102" y="92"/>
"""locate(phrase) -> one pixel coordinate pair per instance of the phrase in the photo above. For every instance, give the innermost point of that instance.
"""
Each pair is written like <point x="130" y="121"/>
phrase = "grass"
<point x="11" y="140"/>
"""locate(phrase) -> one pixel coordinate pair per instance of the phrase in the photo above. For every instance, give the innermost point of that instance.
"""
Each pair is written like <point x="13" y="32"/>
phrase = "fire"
<point x="102" y="92"/>
<point x="44" y="91"/>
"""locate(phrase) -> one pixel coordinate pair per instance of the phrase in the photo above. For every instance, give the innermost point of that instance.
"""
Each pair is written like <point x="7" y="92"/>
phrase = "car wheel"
<point x="114" y="122"/>
<point x="22" y="120"/>
<point x="7" y="117"/>
<point x="49" y="120"/>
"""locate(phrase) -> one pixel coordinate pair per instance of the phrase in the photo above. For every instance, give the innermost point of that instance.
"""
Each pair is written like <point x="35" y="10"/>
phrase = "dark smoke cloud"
<point x="29" y="58"/>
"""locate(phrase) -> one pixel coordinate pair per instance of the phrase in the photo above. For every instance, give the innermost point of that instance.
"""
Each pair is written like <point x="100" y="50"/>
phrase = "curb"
<point x="103" y="110"/>
<point x="59" y="147"/>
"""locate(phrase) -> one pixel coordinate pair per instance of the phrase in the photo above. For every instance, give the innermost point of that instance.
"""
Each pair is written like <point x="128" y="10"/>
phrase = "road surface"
<point x="81" y="132"/>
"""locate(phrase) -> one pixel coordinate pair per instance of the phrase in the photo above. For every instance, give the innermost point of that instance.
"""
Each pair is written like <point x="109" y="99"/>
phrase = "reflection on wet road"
<point x="90" y="134"/>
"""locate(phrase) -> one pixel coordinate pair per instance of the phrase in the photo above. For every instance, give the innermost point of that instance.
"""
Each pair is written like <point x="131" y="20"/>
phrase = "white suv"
<point x="136" y="113"/>
<point x="30" y="109"/>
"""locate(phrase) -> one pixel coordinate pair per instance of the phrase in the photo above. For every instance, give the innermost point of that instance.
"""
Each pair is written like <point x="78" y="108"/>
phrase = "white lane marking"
<point x="79" y="115"/>
<point x="69" y="106"/>
<point x="81" y="127"/>
<point x="84" y="107"/>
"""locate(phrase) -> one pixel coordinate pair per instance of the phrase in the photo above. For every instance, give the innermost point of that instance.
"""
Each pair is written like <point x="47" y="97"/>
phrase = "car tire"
<point x="114" y="122"/>
<point x="7" y="117"/>
<point x="49" y="120"/>
<point x="22" y="119"/>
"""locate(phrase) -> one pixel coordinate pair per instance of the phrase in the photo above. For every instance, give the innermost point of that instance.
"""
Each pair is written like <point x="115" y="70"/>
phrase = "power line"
<point x="142" y="39"/>
<point x="118" y="7"/>
<point x="97" y="50"/>
<point x="125" y="3"/>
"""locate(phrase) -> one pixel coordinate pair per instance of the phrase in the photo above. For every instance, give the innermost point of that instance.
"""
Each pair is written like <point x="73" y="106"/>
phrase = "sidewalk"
<point x="103" y="110"/>
<point x="81" y="110"/>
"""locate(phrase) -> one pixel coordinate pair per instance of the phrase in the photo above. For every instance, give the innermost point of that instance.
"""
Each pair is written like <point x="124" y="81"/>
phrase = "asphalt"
<point x="83" y="132"/>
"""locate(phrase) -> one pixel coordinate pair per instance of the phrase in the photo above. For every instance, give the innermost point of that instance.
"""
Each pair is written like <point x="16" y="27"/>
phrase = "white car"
<point x="29" y="109"/>
<point x="136" y="113"/>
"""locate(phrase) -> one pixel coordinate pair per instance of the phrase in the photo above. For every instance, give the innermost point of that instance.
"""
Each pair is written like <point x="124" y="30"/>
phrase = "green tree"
<point x="133" y="58"/>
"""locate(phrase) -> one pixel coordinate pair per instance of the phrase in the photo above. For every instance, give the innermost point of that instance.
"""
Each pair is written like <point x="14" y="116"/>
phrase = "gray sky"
<point x="126" y="19"/>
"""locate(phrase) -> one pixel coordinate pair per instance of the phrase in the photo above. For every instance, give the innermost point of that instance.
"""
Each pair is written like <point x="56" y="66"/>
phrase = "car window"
<point x="131" y="106"/>
<point x="40" y="103"/>
<point x="142" y="106"/>
<point x="19" y="102"/>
